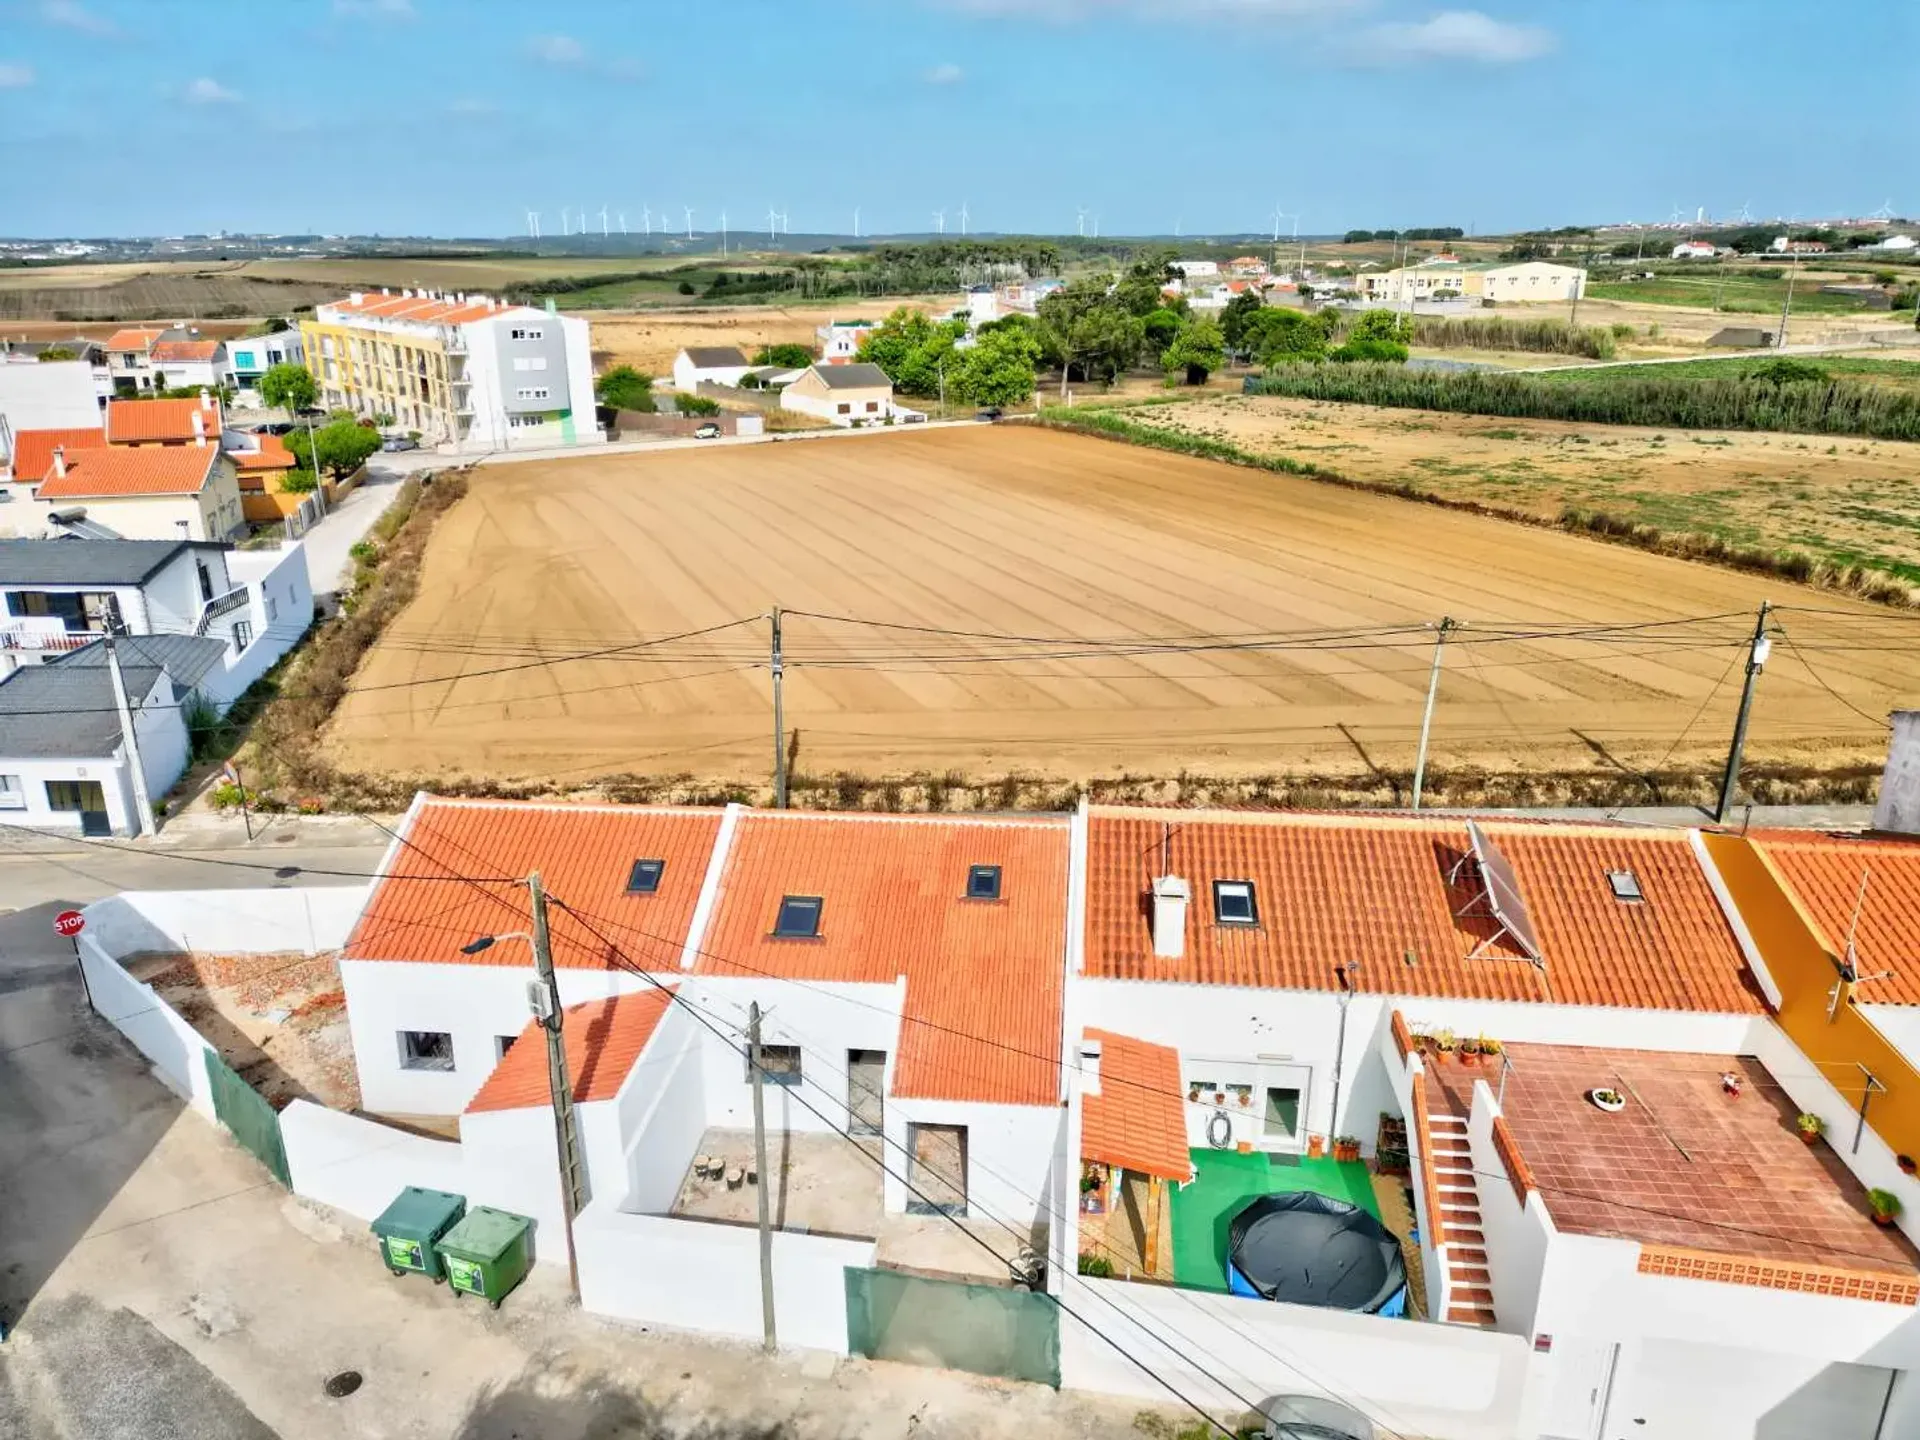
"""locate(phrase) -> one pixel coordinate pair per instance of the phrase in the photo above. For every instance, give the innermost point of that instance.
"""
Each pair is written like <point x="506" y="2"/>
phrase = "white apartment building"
<point x="464" y="370"/>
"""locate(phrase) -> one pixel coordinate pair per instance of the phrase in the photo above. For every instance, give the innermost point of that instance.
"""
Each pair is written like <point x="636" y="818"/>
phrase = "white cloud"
<point x="1454" y="35"/>
<point x="948" y="74"/>
<point x="72" y="16"/>
<point x="558" y="49"/>
<point x="15" y="77"/>
<point x="376" y="9"/>
<point x="208" y="92"/>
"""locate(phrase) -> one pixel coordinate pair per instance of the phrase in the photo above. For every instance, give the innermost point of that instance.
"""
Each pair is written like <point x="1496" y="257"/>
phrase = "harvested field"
<point x="650" y="339"/>
<point x="1843" y="500"/>
<point x="1011" y="531"/>
<point x="87" y="294"/>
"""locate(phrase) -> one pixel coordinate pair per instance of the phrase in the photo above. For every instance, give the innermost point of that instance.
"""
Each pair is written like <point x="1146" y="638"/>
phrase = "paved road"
<point x="328" y="542"/>
<point x="82" y="875"/>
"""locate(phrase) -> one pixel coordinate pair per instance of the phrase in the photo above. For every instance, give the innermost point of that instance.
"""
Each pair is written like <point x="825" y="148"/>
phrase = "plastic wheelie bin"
<point x="487" y="1253"/>
<point x="410" y="1227"/>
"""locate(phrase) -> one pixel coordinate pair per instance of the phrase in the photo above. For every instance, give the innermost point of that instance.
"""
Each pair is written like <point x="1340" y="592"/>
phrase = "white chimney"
<point x="60" y="462"/>
<point x="1170" y="897"/>
<point x="199" y="428"/>
<point x="1899" y="808"/>
<point x="357" y="297"/>
<point x="1089" y="1067"/>
<point x="206" y="400"/>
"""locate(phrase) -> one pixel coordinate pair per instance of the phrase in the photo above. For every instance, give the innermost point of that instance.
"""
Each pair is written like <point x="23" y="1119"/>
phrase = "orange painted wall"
<point x="1805" y="971"/>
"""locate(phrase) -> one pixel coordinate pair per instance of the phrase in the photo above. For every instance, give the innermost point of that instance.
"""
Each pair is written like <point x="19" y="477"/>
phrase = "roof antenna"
<point x="1166" y="847"/>
<point x="1849" y="963"/>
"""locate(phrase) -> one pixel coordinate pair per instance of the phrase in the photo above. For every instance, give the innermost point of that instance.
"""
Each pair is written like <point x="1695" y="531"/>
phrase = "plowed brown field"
<point x="532" y="649"/>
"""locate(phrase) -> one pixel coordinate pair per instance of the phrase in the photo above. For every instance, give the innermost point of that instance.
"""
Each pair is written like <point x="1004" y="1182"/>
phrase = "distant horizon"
<point x="1209" y="117"/>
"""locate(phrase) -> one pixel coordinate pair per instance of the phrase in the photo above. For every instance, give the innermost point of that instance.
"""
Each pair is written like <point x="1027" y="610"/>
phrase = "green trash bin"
<point x="410" y="1227"/>
<point x="487" y="1253"/>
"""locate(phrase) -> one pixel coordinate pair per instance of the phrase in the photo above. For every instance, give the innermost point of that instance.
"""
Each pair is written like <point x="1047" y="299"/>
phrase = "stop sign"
<point x="69" y="923"/>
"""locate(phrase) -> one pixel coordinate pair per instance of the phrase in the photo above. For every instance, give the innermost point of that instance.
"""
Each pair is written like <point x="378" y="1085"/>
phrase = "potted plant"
<point x="1810" y="1126"/>
<point x="1346" y="1147"/>
<point x="1886" y="1205"/>
<point x="1316" y="1146"/>
<point x="1905" y="1162"/>
<point x="1193" y="1094"/>
<point x="1469" y="1052"/>
<point x="1489" y="1047"/>
<point x="1608" y="1099"/>
<point x="1444" y="1043"/>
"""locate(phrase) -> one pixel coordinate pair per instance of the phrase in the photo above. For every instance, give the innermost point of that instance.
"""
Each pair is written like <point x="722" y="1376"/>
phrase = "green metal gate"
<point x="245" y="1112"/>
<point x="984" y="1329"/>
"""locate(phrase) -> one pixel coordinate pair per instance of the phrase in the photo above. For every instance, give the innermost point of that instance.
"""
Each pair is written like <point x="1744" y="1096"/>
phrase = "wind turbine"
<point x="963" y="217"/>
<point x="1277" y="214"/>
<point x="773" y="223"/>
<point x="1176" y="227"/>
<point x="1676" y="217"/>
<point x="856" y="222"/>
<point x="1745" y="216"/>
<point x="689" y="210"/>
<point x="1096" y="224"/>
<point x="623" y="223"/>
<point x="1080" y="220"/>
<point x="723" y="234"/>
<point x="1885" y="212"/>
<point x="603" y="222"/>
<point x="533" y="223"/>
<point x="940" y="221"/>
<point x="564" y="212"/>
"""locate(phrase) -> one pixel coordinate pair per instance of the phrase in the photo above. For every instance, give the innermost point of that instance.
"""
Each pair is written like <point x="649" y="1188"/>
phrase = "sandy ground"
<point x="649" y="339"/>
<point x="1834" y="497"/>
<point x="1006" y="530"/>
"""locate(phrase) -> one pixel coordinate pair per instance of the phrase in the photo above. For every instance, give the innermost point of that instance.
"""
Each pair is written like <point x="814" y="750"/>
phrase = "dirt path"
<point x="1060" y="538"/>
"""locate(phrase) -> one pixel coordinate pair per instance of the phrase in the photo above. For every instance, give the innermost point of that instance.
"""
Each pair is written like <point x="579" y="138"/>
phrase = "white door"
<point x="1676" y="1390"/>
<point x="1582" y="1375"/>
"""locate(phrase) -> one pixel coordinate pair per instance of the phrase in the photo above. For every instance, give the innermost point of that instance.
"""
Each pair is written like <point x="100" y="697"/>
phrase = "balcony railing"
<point x="226" y="604"/>
<point x="51" y="637"/>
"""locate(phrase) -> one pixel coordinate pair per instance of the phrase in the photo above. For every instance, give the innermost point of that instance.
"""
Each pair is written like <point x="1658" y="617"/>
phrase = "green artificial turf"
<point x="1224" y="1180"/>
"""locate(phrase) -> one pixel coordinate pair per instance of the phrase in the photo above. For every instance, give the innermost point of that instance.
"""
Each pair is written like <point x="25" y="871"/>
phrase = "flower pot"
<point x="1612" y="1104"/>
<point x="1905" y="1162"/>
<point x="1316" y="1147"/>
<point x="1810" y="1136"/>
<point x="1885" y="1222"/>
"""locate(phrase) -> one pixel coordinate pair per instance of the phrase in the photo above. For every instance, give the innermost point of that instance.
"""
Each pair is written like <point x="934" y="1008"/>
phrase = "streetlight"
<point x="543" y="997"/>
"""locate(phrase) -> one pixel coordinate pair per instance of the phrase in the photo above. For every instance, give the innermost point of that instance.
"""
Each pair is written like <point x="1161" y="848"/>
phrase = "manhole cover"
<point x="344" y="1384"/>
<point x="286" y="872"/>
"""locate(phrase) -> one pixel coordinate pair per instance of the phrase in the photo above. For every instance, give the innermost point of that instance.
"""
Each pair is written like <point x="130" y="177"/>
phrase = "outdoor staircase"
<point x="1470" y="1286"/>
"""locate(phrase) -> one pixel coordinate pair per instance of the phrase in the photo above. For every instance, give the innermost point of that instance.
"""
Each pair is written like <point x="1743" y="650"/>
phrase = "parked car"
<point x="989" y="413"/>
<point x="708" y="431"/>
<point x="399" y="442"/>
<point x="274" y="427"/>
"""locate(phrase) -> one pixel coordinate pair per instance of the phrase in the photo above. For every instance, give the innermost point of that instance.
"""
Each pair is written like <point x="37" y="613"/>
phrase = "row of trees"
<point x="1431" y="232"/>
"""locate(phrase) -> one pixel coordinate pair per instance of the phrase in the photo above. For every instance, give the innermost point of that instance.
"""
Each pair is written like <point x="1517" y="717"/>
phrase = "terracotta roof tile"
<point x="115" y="472"/>
<point x="180" y="352"/>
<point x="1824" y="873"/>
<point x="33" y="449"/>
<point x="984" y="978"/>
<point x="1685" y="1163"/>
<point x="584" y="853"/>
<point x="132" y="421"/>
<point x="424" y="309"/>
<point x="271" y="454"/>
<point x="1375" y="891"/>
<point x="133" y="339"/>
<point x="1136" y="1121"/>
<point x="603" y="1040"/>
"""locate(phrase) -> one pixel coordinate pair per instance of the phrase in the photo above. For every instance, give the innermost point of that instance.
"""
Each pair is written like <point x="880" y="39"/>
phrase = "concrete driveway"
<point x="158" y="1284"/>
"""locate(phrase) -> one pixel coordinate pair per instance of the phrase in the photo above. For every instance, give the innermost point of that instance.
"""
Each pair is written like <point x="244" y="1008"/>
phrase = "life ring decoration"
<point x="1220" y="1130"/>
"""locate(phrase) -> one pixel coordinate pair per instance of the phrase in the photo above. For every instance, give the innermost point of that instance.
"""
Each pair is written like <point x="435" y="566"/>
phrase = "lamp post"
<point x="544" y="999"/>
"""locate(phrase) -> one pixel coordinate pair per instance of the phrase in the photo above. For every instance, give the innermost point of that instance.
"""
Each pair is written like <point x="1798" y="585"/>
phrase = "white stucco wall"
<point x="305" y="919"/>
<point x="174" y="1048"/>
<point x="660" y="1116"/>
<point x="1010" y="1158"/>
<point x="1516" y="1236"/>
<point x="695" y="1275"/>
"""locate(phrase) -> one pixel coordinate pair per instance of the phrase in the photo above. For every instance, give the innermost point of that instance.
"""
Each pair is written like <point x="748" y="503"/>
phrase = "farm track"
<point x="1017" y="531"/>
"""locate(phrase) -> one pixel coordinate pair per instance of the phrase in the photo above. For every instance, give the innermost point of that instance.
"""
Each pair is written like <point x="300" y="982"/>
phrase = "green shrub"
<point x="696" y="404"/>
<point x="1550" y="337"/>
<point x="1098" y="1266"/>
<point x="299" y="482"/>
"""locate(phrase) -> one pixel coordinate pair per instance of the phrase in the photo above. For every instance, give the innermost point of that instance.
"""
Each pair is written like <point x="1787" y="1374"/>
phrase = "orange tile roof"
<point x="33" y="449"/>
<point x="1374" y="891"/>
<point x="272" y="454"/>
<point x="603" y="1040"/>
<point x="1824" y="874"/>
<point x="982" y="1013"/>
<point x="1136" y="1121"/>
<point x="132" y="421"/>
<point x="584" y="854"/>
<point x="423" y="309"/>
<point x="114" y="472"/>
<point x="179" y="352"/>
<point x="133" y="339"/>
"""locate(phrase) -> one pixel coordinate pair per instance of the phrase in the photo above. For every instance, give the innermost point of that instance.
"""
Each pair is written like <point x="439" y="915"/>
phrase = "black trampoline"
<point x="1308" y="1249"/>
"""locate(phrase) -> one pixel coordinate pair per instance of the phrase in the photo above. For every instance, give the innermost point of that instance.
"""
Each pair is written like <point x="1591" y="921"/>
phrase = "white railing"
<point x="43" y="634"/>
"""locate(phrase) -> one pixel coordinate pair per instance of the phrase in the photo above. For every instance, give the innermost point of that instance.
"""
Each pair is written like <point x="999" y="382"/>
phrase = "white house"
<point x="709" y="364"/>
<point x="46" y="395"/>
<point x="1694" y="250"/>
<point x="247" y="359"/>
<point x="1895" y="243"/>
<point x="1193" y="270"/>
<point x="1531" y="280"/>
<point x="65" y="763"/>
<point x="185" y="357"/>
<point x="135" y="492"/>
<point x="840" y="340"/>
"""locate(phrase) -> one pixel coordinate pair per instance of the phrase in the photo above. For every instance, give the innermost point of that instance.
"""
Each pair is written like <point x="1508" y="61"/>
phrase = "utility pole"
<point x="779" y="719"/>
<point x="1426" y="720"/>
<point x="1756" y="662"/>
<point x="142" y="801"/>
<point x="771" y="1342"/>
<point x="572" y="1189"/>
<point x="1786" y="306"/>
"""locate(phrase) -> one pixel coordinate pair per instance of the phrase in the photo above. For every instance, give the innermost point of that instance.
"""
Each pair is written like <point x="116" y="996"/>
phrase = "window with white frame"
<point x="532" y="392"/>
<point x="13" y="795"/>
<point x="426" y="1050"/>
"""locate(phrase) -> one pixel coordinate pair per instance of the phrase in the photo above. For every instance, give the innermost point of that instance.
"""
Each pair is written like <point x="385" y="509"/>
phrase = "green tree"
<point x="696" y="404"/>
<point x="786" y="357"/>
<point x="290" y="387"/>
<point x="342" y="447"/>
<point x="1233" y="320"/>
<point x="1198" y="350"/>
<point x="1277" y="335"/>
<point x="1383" y="325"/>
<point x="913" y="349"/>
<point x="59" y="352"/>
<point x="624" y="388"/>
<point x="1160" y="327"/>
<point x="1384" y="352"/>
<point x="997" y="369"/>
<point x="1141" y="290"/>
<point x="1086" y="324"/>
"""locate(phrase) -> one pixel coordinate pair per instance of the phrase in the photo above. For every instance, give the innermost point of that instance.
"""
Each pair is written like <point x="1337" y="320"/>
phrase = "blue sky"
<point x="455" y="117"/>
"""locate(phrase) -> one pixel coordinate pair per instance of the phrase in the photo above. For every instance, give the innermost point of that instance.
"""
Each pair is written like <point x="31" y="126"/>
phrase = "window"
<point x="799" y="918"/>
<point x="1625" y="885"/>
<point x="844" y="409"/>
<point x="525" y="334"/>
<point x="242" y="634"/>
<point x="532" y="392"/>
<point x="273" y="610"/>
<point x="12" y="795"/>
<point x="1281" y="1117"/>
<point x="1233" y="903"/>
<point x="983" y="882"/>
<point x="501" y="1045"/>
<point x="426" y="1050"/>
<point x="872" y="405"/>
<point x="780" y="1064"/>
<point x="644" y="878"/>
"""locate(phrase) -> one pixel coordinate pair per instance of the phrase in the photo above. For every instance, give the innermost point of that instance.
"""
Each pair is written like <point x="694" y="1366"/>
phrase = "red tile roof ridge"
<point x="468" y="802"/>
<point x="1395" y="820"/>
<point x="1041" y="819"/>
